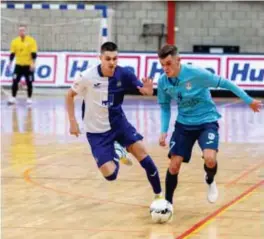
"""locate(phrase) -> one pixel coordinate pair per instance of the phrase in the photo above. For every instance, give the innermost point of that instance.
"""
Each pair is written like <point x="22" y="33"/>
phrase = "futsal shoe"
<point x="123" y="155"/>
<point x="212" y="194"/>
<point x="29" y="101"/>
<point x="11" y="101"/>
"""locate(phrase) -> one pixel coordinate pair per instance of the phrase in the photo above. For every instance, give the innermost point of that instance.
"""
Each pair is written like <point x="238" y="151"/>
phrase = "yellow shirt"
<point x="23" y="49"/>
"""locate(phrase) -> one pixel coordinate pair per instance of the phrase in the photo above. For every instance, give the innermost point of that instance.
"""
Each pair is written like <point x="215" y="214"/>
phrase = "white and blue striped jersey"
<point x="103" y="96"/>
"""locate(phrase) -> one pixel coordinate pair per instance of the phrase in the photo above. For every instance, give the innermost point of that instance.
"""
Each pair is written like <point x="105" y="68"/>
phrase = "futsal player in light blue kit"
<point x="197" y="116"/>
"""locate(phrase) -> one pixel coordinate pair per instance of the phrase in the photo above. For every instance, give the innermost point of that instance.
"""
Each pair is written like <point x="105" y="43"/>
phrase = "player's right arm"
<point x="164" y="100"/>
<point x="78" y="87"/>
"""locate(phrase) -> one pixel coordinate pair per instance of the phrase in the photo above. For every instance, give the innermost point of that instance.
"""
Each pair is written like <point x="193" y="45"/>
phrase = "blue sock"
<point x="152" y="173"/>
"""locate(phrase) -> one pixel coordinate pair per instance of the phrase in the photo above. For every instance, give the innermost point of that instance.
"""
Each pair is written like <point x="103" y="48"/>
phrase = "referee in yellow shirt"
<point x="24" y="49"/>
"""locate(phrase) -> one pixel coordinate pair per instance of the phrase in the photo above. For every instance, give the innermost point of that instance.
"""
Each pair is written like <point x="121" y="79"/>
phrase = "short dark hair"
<point x="167" y="50"/>
<point x="109" y="46"/>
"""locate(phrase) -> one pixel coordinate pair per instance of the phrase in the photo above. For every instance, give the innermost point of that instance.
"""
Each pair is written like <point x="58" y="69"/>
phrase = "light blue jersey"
<point x="191" y="91"/>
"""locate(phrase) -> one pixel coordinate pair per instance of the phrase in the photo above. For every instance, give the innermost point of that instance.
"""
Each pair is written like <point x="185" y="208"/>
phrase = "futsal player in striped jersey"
<point x="103" y="88"/>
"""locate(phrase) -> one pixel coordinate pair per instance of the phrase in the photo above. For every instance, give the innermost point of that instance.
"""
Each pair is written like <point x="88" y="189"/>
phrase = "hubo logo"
<point x="243" y="70"/>
<point x="210" y="63"/>
<point x="80" y="62"/>
<point x="42" y="71"/>
<point x="45" y="71"/>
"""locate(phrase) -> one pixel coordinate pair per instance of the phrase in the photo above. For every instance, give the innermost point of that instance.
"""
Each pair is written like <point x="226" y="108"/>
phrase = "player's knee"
<point x="109" y="170"/>
<point x="210" y="161"/>
<point x="175" y="166"/>
<point x="112" y="177"/>
<point x="138" y="150"/>
<point x="174" y="169"/>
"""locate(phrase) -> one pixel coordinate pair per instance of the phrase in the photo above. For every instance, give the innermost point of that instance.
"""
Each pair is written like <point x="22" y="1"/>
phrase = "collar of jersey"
<point x="173" y="81"/>
<point x="100" y="71"/>
<point x="20" y="39"/>
<point x="181" y="73"/>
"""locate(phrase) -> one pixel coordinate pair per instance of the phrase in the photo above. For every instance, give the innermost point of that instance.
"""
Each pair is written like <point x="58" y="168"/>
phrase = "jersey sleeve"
<point x="34" y="47"/>
<point x="164" y="100"/>
<point x="130" y="80"/>
<point x="165" y="116"/>
<point x="209" y="79"/>
<point x="13" y="47"/>
<point x="163" y="97"/>
<point x="229" y="85"/>
<point x="80" y="83"/>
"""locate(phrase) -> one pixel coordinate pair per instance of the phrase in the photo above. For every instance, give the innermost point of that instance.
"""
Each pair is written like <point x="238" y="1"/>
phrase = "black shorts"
<point x="21" y="71"/>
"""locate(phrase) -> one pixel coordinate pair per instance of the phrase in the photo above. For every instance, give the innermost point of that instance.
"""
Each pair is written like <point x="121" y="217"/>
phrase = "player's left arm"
<point x="12" y="53"/>
<point x="212" y="80"/>
<point x="144" y="88"/>
<point x="34" y="49"/>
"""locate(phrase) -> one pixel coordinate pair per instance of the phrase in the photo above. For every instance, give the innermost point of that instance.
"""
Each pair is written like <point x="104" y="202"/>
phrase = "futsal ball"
<point x="161" y="211"/>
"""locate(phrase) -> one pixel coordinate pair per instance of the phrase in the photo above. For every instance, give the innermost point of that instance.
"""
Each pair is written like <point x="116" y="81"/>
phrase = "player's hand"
<point x="147" y="88"/>
<point x="162" y="139"/>
<point x="256" y="105"/>
<point x="32" y="66"/>
<point x="74" y="128"/>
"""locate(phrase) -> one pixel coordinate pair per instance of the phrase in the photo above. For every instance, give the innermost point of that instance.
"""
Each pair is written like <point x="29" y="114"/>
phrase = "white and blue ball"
<point x="161" y="211"/>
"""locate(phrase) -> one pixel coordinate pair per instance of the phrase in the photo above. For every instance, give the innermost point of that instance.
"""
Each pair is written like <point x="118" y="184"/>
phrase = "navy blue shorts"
<point x="102" y="144"/>
<point x="184" y="137"/>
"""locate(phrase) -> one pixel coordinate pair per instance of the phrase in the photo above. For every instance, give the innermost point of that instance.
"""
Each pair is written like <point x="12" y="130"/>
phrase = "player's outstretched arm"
<point x="255" y="105"/>
<point x="144" y="87"/>
<point x="211" y="80"/>
<point x="74" y="128"/>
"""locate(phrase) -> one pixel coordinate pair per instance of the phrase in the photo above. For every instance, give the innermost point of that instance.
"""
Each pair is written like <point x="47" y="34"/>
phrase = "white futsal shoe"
<point x="212" y="193"/>
<point x="29" y="101"/>
<point x="123" y="155"/>
<point x="11" y="101"/>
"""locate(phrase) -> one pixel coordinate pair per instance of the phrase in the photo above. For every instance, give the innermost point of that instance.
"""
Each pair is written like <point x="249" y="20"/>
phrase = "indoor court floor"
<point x="51" y="188"/>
